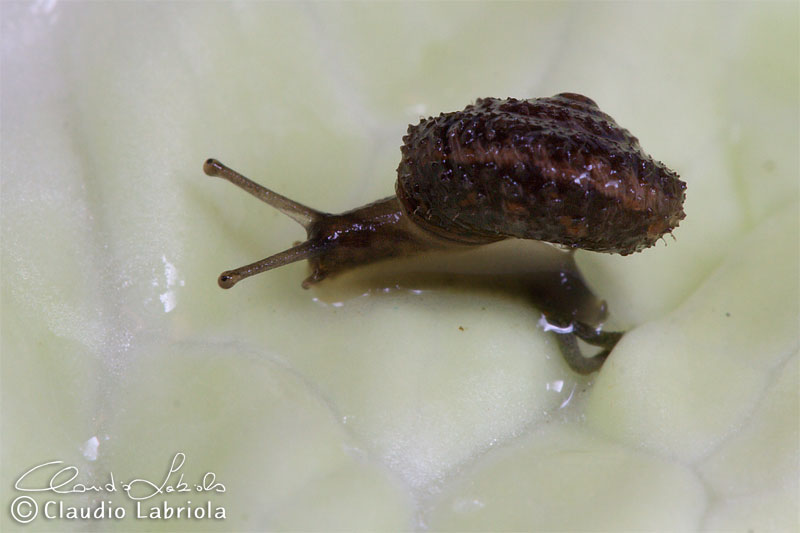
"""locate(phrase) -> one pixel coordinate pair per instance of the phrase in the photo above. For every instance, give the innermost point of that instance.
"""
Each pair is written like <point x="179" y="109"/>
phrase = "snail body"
<point x="553" y="169"/>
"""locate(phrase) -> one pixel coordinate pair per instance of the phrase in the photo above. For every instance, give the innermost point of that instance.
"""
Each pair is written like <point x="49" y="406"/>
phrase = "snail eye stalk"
<point x="303" y="215"/>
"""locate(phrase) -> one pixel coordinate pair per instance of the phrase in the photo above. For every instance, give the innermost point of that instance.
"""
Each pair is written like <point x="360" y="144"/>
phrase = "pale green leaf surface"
<point x="434" y="408"/>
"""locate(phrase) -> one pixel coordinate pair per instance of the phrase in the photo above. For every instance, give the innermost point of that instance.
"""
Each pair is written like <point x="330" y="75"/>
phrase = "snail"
<point x="554" y="169"/>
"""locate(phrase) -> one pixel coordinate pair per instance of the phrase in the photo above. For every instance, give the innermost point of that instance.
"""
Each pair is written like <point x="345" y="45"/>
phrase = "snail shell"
<point x="553" y="169"/>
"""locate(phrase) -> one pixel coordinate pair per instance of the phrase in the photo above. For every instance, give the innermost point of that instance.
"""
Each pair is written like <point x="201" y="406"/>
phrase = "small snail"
<point x="552" y="169"/>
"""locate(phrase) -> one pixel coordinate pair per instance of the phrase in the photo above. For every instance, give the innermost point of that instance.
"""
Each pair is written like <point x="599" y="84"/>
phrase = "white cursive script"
<point x="61" y="481"/>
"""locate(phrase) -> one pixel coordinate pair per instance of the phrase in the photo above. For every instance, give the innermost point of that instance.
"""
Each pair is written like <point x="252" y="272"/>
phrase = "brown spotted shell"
<point x="552" y="169"/>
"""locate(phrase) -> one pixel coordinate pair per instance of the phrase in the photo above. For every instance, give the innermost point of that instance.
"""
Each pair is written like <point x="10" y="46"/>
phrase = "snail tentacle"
<point x="306" y="250"/>
<point x="303" y="215"/>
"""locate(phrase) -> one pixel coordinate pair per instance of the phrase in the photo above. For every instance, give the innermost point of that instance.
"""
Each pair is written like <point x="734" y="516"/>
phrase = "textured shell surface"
<point x="555" y="169"/>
